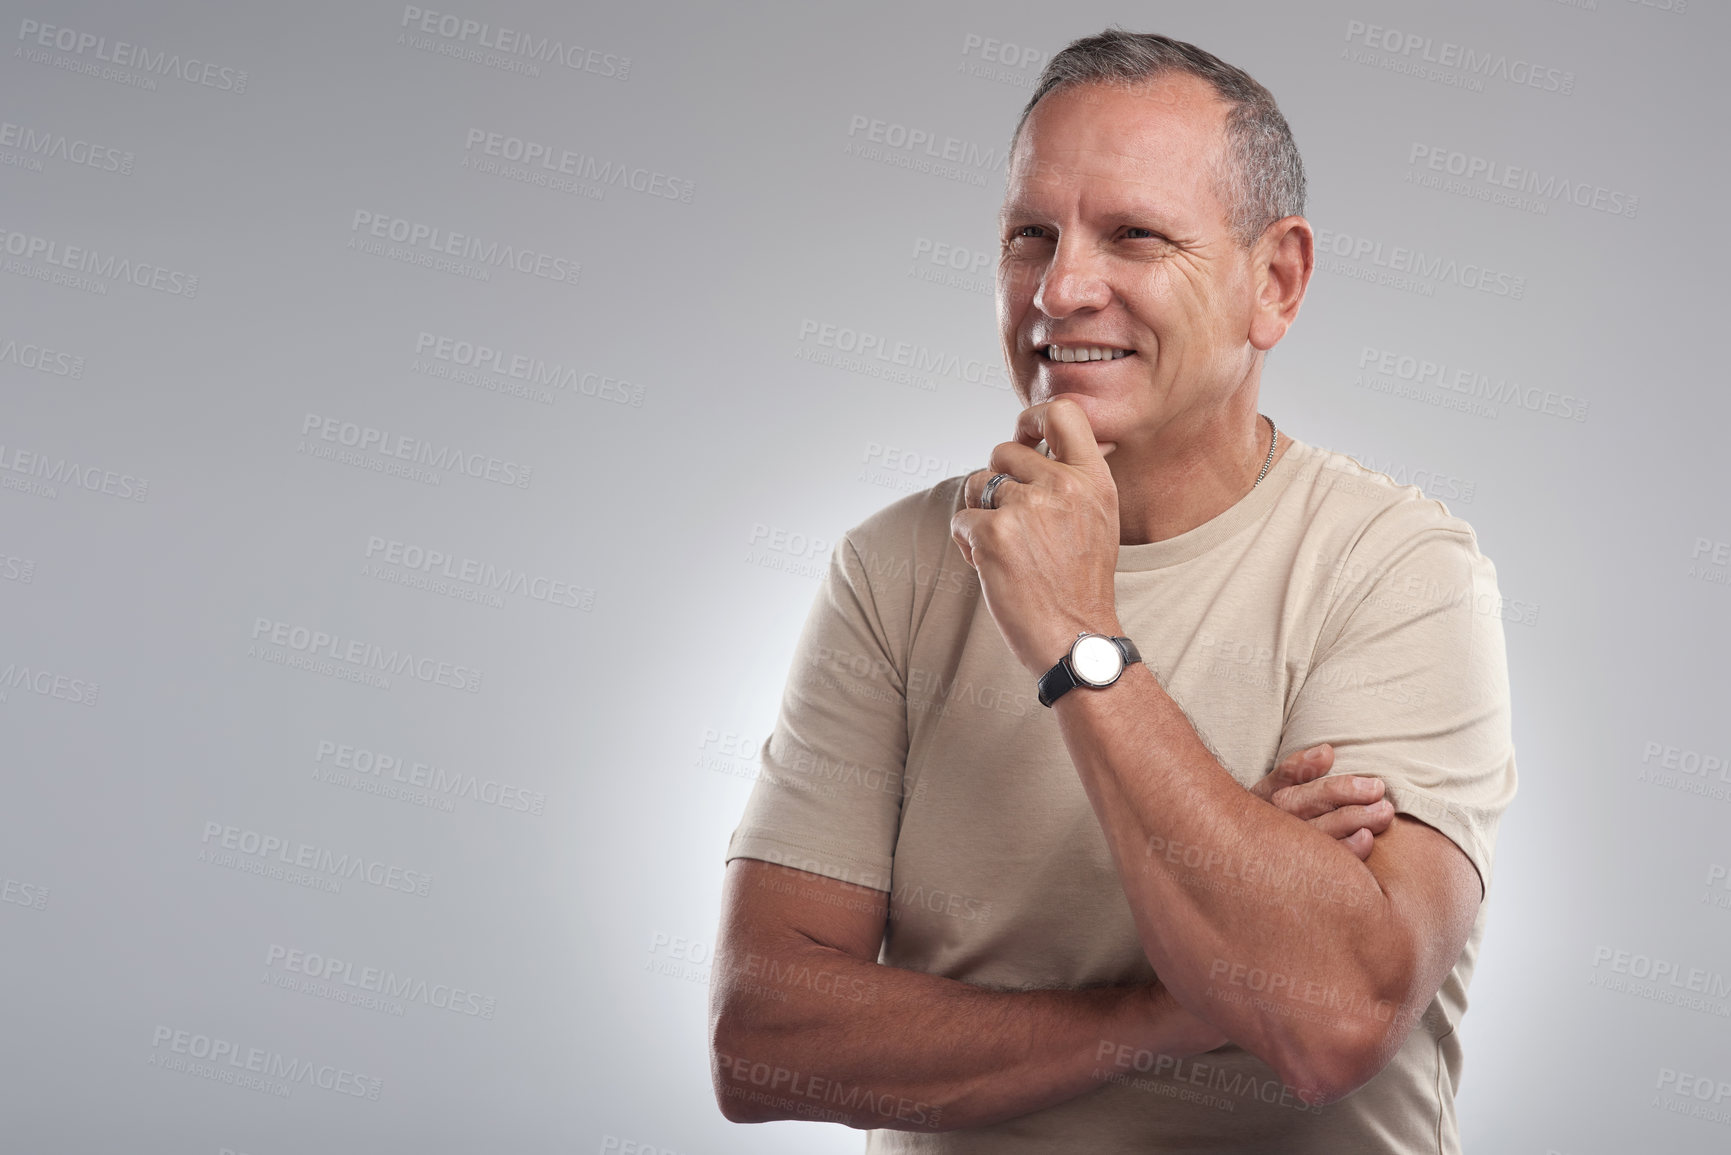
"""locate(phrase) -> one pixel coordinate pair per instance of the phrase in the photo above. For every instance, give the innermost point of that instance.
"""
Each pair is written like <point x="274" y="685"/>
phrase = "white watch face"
<point x="1097" y="660"/>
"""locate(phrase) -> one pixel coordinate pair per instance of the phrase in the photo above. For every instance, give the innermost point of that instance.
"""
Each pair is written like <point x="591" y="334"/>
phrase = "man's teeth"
<point x="1085" y="353"/>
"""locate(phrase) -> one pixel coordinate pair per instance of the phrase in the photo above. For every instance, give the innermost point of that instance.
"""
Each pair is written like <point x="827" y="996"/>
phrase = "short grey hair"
<point x="1263" y="177"/>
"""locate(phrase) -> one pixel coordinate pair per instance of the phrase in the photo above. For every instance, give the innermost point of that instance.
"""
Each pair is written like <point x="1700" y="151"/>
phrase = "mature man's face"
<point x="1115" y="236"/>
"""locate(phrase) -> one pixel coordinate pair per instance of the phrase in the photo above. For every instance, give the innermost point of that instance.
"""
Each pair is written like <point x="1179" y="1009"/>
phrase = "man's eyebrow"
<point x="1150" y="214"/>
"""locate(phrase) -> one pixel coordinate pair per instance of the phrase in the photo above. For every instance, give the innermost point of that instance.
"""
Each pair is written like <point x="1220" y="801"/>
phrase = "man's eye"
<point x="1030" y="231"/>
<point x="1146" y="233"/>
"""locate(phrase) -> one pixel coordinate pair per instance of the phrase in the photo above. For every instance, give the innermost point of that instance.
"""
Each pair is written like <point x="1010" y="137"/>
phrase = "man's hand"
<point x="1047" y="553"/>
<point x="1344" y="807"/>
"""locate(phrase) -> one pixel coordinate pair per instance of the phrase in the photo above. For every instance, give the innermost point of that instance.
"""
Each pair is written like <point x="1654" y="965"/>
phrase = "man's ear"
<point x="1281" y="262"/>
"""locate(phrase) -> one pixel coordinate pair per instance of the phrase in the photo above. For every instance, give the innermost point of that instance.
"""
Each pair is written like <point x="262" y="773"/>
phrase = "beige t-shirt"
<point x="912" y="756"/>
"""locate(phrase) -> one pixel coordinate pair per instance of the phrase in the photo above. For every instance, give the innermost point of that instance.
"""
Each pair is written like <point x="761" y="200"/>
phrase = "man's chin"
<point x="1101" y="420"/>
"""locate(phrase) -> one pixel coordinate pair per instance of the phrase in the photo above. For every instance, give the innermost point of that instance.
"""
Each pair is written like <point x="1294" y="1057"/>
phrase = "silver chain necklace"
<point x="1273" y="437"/>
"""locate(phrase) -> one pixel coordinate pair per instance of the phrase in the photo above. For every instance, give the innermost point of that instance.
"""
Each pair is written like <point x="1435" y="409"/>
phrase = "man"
<point x="1001" y="886"/>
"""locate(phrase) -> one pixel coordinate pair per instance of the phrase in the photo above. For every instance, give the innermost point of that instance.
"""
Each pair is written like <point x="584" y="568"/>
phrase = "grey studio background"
<point x="424" y="428"/>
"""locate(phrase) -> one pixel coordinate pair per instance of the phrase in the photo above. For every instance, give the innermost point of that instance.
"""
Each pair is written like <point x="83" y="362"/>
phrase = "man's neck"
<point x="1171" y="488"/>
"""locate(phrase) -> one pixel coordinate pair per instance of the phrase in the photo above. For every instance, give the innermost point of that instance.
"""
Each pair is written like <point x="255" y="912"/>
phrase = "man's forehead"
<point x="1063" y="164"/>
<point x="1138" y="135"/>
<point x="1105" y="188"/>
<point x="1109" y="181"/>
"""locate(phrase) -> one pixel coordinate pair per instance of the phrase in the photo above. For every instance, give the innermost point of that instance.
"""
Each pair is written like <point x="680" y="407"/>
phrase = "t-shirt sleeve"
<point x="1409" y="681"/>
<point x="828" y="795"/>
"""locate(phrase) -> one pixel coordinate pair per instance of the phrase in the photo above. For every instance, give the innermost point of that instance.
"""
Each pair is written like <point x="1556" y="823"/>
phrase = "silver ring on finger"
<point x="989" y="495"/>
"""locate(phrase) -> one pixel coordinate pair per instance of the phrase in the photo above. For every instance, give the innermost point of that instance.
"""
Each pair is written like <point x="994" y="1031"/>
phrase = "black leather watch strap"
<point x="1061" y="679"/>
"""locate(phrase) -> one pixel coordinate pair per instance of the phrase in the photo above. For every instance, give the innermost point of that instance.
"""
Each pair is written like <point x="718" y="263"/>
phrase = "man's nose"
<point x="1074" y="280"/>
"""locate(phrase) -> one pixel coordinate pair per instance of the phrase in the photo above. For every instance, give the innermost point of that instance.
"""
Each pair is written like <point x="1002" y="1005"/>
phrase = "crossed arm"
<point x="806" y="1024"/>
<point x="1368" y="938"/>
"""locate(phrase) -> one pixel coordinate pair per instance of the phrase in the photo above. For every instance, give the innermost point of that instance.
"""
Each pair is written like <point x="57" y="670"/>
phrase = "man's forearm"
<point x="1254" y="920"/>
<point x="816" y="1033"/>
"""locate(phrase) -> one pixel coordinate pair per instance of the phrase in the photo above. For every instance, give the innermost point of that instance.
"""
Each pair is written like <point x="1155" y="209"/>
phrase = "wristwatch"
<point x="1094" y="660"/>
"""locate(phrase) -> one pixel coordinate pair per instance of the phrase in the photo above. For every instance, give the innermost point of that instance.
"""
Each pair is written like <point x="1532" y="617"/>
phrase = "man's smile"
<point x="1070" y="354"/>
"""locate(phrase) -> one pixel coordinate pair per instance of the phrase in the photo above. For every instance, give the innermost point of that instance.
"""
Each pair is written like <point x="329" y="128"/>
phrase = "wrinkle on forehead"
<point x="1188" y="118"/>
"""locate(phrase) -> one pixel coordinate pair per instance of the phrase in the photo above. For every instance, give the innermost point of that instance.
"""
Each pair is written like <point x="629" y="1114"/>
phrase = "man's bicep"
<point x="830" y="785"/>
<point x="1410" y="685"/>
<point x="767" y="907"/>
<point x="1432" y="893"/>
